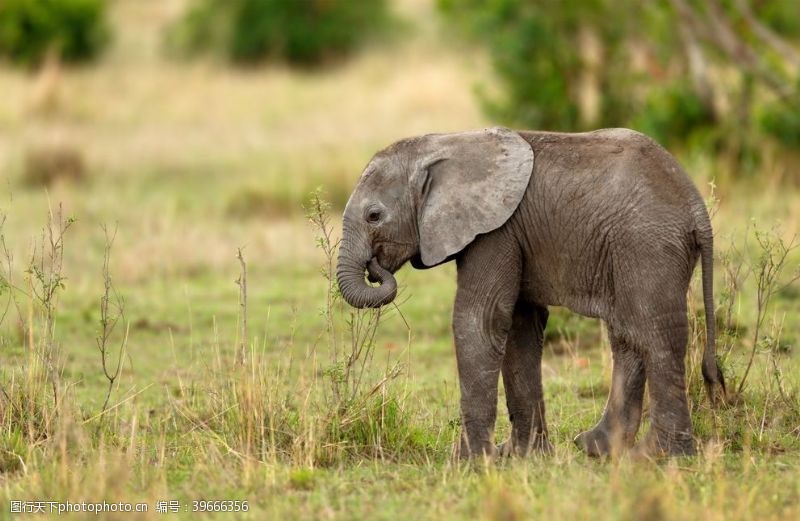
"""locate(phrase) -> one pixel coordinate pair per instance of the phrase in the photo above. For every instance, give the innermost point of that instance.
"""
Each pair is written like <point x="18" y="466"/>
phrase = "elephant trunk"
<point x="355" y="256"/>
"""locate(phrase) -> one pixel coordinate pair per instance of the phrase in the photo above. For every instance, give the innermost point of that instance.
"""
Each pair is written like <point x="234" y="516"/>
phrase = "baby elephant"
<point x="605" y="223"/>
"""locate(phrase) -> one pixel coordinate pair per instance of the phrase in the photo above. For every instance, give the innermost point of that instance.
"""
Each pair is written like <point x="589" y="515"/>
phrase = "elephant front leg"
<point x="522" y="378"/>
<point x="616" y="430"/>
<point x="482" y="317"/>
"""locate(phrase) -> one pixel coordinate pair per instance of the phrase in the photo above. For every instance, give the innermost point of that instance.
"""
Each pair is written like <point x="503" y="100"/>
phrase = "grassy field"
<point x="188" y="163"/>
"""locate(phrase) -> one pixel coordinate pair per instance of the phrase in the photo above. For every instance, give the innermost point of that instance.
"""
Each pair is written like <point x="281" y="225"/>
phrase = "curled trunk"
<point x="355" y="257"/>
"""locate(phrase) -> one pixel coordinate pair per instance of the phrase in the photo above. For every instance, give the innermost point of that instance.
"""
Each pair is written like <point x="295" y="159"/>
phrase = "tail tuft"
<point x="714" y="381"/>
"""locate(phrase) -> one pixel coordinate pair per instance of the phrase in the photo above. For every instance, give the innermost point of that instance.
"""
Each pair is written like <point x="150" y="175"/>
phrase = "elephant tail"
<point x="712" y="373"/>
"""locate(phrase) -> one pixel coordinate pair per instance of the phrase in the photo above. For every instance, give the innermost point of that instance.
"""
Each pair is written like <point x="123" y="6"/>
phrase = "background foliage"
<point x="301" y="32"/>
<point x="717" y="74"/>
<point x="75" y="30"/>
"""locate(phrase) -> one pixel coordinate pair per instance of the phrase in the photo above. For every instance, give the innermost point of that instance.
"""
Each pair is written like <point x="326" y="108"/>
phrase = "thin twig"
<point x="773" y="254"/>
<point x="242" y="283"/>
<point x="109" y="319"/>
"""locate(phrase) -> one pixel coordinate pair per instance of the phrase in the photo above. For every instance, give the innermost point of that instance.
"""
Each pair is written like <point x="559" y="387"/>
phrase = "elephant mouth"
<point x="373" y="276"/>
<point x="389" y="263"/>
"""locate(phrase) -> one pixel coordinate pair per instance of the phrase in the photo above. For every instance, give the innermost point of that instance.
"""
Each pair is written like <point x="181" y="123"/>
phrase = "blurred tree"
<point x="755" y="45"/>
<point x="549" y="56"/>
<point x="307" y="32"/>
<point x="68" y="30"/>
<point x="709" y="72"/>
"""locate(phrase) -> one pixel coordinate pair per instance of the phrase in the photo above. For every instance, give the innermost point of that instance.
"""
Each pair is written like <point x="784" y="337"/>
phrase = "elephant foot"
<point x="539" y="446"/>
<point x="461" y="454"/>
<point x="594" y="443"/>
<point x="463" y="451"/>
<point x="599" y="443"/>
<point x="654" y="446"/>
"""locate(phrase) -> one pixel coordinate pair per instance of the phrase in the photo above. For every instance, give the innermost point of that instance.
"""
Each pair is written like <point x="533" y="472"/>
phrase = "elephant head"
<point x="425" y="199"/>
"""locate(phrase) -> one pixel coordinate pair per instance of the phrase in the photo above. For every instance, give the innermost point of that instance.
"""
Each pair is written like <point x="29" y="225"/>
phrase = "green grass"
<point x="192" y="426"/>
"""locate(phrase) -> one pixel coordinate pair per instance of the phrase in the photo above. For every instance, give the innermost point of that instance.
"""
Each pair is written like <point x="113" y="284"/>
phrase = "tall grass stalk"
<point x="767" y="266"/>
<point x="264" y="411"/>
<point x="112" y="311"/>
<point x="45" y="278"/>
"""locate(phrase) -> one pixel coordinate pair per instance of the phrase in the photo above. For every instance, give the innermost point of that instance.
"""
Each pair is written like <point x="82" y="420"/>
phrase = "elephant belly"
<point x="566" y="287"/>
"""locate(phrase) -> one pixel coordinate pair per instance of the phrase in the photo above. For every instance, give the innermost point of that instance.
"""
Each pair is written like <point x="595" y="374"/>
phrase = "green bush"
<point x="782" y="123"/>
<point x="782" y="15"/>
<point x="673" y="113"/>
<point x="533" y="48"/>
<point x="300" y="32"/>
<point x="29" y="29"/>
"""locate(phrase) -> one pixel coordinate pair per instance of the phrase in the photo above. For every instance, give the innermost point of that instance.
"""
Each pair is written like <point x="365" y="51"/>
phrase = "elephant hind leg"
<point x="616" y="430"/>
<point x="670" y="423"/>
<point x="522" y="379"/>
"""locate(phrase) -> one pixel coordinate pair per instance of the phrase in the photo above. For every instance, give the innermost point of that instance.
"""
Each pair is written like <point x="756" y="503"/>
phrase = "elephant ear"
<point x="468" y="183"/>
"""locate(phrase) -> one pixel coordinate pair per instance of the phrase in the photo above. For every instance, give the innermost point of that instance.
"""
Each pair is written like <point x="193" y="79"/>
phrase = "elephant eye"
<point x="374" y="215"/>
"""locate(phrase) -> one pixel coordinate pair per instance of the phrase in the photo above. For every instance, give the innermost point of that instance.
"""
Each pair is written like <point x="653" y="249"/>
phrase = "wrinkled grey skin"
<point x="605" y="223"/>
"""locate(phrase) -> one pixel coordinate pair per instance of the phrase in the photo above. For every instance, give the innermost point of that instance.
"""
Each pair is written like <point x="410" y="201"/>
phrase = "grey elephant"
<point x="605" y="223"/>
